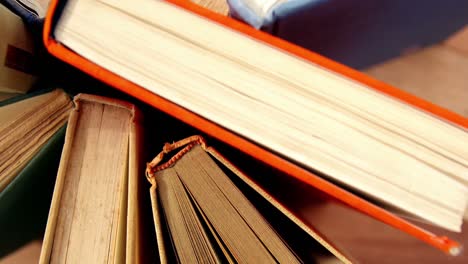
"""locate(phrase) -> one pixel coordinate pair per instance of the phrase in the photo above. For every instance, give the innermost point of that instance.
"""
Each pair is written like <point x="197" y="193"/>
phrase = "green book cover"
<point x="25" y="202"/>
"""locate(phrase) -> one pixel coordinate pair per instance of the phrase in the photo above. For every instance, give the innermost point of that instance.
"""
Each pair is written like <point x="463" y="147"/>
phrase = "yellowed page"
<point x="80" y="199"/>
<point x="11" y="112"/>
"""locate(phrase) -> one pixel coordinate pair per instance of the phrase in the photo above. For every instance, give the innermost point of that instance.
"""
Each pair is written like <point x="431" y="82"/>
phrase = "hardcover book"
<point x="94" y="214"/>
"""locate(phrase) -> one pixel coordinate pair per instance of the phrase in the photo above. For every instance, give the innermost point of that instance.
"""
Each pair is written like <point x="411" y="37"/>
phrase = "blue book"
<point x="31" y="11"/>
<point x="356" y="33"/>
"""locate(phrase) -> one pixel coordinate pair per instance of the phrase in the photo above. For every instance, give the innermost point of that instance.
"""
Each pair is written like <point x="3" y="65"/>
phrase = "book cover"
<point x="25" y="202"/>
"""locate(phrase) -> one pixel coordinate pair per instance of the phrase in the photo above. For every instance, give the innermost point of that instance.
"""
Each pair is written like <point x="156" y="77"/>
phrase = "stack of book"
<point x="301" y="139"/>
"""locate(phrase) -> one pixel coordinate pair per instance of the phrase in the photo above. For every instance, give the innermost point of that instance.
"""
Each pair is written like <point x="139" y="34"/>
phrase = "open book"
<point x="204" y="212"/>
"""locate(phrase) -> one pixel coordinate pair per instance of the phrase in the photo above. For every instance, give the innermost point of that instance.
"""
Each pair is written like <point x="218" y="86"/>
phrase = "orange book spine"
<point x="248" y="147"/>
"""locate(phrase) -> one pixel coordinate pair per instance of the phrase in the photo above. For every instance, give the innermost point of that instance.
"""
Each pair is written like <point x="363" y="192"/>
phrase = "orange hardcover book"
<point x="247" y="146"/>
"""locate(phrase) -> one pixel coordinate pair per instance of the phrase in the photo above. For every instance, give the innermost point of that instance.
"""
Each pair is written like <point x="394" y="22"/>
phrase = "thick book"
<point x="358" y="33"/>
<point x="94" y="215"/>
<point x="288" y="107"/>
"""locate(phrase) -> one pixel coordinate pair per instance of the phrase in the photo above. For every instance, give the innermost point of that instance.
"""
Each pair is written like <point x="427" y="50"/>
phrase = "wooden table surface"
<point x="438" y="74"/>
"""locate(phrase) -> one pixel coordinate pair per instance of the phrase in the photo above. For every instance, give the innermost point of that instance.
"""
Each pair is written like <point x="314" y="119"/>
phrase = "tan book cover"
<point x="94" y="215"/>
